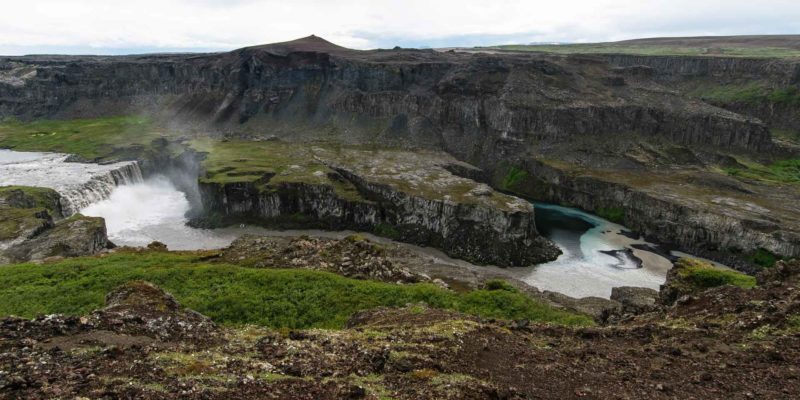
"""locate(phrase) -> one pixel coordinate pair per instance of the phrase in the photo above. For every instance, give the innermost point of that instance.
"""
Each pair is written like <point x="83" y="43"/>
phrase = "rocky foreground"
<point x="726" y="342"/>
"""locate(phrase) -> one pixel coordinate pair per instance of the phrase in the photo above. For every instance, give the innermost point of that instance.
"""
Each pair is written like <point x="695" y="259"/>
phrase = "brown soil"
<point x="726" y="343"/>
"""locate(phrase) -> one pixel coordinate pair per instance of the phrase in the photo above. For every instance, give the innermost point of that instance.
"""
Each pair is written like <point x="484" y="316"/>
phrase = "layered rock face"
<point x="727" y="72"/>
<point x="464" y="103"/>
<point x="463" y="218"/>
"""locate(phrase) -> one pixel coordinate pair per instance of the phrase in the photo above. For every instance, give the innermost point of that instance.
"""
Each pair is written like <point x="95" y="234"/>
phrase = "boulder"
<point x="72" y="237"/>
<point x="635" y="300"/>
<point x="598" y="308"/>
<point x="142" y="308"/>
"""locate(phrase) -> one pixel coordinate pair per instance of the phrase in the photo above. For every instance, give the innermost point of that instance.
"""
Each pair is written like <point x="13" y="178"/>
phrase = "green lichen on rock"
<point x="25" y="211"/>
<point x="690" y="276"/>
<point x="763" y="258"/>
<point x="613" y="214"/>
<point x="513" y="177"/>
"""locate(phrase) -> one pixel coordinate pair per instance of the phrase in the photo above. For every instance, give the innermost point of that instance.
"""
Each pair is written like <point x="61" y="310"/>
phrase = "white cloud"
<point x="105" y="25"/>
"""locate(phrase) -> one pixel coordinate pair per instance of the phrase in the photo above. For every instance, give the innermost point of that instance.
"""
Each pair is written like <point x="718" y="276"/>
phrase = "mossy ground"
<point x="237" y="295"/>
<point x="702" y="275"/>
<point x="90" y="139"/>
<point x="753" y="92"/>
<point x="779" y="172"/>
<point x="247" y="161"/>
<point x="16" y="220"/>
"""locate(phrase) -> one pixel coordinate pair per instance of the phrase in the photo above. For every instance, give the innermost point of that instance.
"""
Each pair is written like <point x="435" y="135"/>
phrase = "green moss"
<point x="499" y="284"/>
<point x="268" y="164"/>
<point x="613" y="214"/>
<point x="763" y="258"/>
<point x="386" y="230"/>
<point x="779" y="172"/>
<point x="89" y="138"/>
<point x="25" y="208"/>
<point x="15" y="221"/>
<point x="750" y="93"/>
<point x="513" y="177"/>
<point x="36" y="196"/>
<point x="702" y="275"/>
<point x="234" y="295"/>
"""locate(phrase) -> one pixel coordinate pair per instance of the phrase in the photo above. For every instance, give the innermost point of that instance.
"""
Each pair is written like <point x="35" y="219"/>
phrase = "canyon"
<point x="600" y="132"/>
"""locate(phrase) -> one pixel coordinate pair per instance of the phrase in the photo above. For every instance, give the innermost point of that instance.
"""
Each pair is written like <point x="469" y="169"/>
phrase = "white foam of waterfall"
<point x="80" y="184"/>
<point x="154" y="210"/>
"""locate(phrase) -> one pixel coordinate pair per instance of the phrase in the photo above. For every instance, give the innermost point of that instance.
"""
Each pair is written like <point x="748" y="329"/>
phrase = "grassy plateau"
<point x="90" y="139"/>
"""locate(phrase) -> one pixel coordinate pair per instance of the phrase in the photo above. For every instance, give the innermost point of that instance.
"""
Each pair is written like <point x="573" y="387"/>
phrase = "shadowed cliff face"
<point x="467" y="104"/>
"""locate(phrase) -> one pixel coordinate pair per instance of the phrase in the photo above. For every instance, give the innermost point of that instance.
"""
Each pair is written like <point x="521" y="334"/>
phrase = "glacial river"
<point x="151" y="210"/>
<point x="596" y="257"/>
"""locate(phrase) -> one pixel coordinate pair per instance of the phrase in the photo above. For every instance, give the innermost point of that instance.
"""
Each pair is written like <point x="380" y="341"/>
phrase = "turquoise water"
<point x="584" y="269"/>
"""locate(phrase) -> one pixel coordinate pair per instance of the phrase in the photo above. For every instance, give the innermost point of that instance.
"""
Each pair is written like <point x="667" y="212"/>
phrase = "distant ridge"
<point x="311" y="43"/>
<point x="776" y="41"/>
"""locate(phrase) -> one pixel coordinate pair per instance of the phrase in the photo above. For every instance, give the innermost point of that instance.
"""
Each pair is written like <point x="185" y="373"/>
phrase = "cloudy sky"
<point x="136" y="26"/>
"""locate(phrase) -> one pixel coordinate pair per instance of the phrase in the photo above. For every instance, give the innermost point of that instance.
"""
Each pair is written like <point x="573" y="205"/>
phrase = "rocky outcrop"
<point x="353" y="256"/>
<point x="475" y="233"/>
<point x="735" y="73"/>
<point x="689" y="277"/>
<point x="33" y="227"/>
<point x="72" y="237"/>
<point x="141" y="308"/>
<point x="635" y="300"/>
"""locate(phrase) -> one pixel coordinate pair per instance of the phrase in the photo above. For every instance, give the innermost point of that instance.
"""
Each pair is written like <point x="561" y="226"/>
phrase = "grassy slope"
<point x="88" y="138"/>
<point x="237" y="295"/>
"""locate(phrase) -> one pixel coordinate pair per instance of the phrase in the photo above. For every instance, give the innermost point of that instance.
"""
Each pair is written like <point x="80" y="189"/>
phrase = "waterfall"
<point x="80" y="184"/>
<point x="99" y="187"/>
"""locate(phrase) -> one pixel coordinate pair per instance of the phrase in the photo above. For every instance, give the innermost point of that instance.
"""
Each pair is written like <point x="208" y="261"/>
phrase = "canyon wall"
<point x="475" y="233"/>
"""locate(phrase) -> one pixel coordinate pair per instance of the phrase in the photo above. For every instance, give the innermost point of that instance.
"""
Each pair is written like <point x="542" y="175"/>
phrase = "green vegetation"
<point x="513" y="177"/>
<point x="751" y="93"/>
<point x="499" y="284"/>
<point x="613" y="214"/>
<point x="791" y="136"/>
<point x="779" y="172"/>
<point x="763" y="258"/>
<point x="655" y="50"/>
<point x="386" y="230"/>
<point x="24" y="209"/>
<point x="703" y="275"/>
<point x="90" y="139"/>
<point x="237" y="295"/>
<point x="267" y="164"/>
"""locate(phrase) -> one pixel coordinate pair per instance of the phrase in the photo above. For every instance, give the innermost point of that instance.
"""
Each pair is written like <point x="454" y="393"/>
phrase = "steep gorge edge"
<point x="460" y="111"/>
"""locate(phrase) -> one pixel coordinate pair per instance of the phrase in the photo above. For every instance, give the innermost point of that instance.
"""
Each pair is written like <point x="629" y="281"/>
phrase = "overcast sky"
<point x="136" y="26"/>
